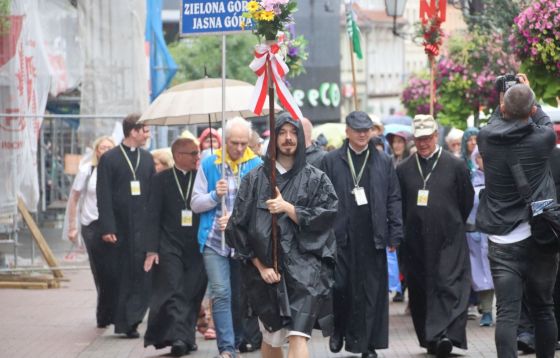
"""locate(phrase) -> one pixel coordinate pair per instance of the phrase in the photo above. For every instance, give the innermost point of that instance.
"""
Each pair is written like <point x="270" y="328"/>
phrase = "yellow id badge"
<point x="423" y="197"/>
<point x="134" y="188"/>
<point x="186" y="218"/>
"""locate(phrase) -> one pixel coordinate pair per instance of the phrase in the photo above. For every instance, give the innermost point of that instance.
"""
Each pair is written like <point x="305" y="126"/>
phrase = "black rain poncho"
<point x="306" y="251"/>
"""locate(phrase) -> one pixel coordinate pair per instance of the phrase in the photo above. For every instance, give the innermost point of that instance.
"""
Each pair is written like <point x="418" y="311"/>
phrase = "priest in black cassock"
<point x="179" y="279"/>
<point x="123" y="183"/>
<point x="289" y="303"/>
<point x="368" y="222"/>
<point x="437" y="197"/>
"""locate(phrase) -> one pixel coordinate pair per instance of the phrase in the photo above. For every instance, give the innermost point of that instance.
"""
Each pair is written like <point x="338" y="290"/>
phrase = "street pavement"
<point x="61" y="323"/>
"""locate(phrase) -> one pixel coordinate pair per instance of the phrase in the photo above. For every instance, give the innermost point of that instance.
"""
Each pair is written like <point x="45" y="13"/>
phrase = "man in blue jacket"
<point x="209" y="188"/>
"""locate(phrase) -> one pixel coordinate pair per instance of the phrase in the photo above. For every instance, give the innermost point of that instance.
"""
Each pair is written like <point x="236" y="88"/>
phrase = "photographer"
<point x="516" y="260"/>
<point x="503" y="83"/>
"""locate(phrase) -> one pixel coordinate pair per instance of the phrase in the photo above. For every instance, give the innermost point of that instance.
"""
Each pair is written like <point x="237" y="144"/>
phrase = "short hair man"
<point x="437" y="199"/>
<point x="208" y="190"/>
<point x="313" y="152"/>
<point x="179" y="280"/>
<point x="289" y="302"/>
<point x="368" y="222"/>
<point x="516" y="261"/>
<point x="123" y="178"/>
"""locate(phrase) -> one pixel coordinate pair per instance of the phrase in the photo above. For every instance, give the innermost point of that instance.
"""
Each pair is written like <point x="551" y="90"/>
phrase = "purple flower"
<point x="293" y="51"/>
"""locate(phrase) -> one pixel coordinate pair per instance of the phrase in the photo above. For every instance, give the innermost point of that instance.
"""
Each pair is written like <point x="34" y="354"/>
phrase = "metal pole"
<point x="43" y="174"/>
<point x="224" y="208"/>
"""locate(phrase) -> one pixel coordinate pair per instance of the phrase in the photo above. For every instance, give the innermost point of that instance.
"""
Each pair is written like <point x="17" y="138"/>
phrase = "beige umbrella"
<point x="200" y="101"/>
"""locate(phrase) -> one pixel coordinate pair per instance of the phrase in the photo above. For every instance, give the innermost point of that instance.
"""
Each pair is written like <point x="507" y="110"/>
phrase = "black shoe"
<point x="132" y="334"/>
<point x="335" y="343"/>
<point x="370" y="354"/>
<point x="444" y="348"/>
<point x="178" y="348"/>
<point x="398" y="297"/>
<point x="526" y="343"/>
<point x="192" y="347"/>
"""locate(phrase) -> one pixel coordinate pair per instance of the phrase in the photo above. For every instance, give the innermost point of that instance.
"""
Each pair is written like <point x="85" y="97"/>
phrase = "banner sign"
<point x="213" y="16"/>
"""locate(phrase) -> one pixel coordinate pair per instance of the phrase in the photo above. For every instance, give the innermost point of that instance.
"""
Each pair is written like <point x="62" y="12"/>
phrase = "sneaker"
<point x="486" y="320"/>
<point x="398" y="297"/>
<point x="472" y="313"/>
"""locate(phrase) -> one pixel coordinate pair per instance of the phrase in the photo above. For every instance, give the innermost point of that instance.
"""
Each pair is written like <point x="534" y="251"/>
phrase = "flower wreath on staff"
<point x="432" y="16"/>
<point x="268" y="19"/>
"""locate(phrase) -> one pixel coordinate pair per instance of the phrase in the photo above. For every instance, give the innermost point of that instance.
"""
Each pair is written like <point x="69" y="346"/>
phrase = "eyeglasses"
<point x="194" y="152"/>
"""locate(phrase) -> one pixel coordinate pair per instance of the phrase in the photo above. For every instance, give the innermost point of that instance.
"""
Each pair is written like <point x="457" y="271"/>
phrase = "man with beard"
<point x="123" y="179"/>
<point x="437" y="199"/>
<point x="291" y="301"/>
<point x="179" y="277"/>
<point x="368" y="222"/>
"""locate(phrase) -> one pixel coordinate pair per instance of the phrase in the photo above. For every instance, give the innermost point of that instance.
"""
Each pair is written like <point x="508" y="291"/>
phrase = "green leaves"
<point x="194" y="55"/>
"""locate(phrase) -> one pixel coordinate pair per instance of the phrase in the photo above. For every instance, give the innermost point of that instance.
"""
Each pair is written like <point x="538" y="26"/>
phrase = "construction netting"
<point x="51" y="46"/>
<point x="115" y="62"/>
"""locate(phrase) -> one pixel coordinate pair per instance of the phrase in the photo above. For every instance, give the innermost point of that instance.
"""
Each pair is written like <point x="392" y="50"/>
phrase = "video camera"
<point x="503" y="83"/>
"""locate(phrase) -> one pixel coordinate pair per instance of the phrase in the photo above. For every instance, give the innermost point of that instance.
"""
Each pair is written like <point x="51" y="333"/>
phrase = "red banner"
<point x="432" y="8"/>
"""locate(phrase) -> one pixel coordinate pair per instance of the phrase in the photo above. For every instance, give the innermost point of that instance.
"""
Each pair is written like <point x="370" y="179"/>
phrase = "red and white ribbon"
<point x="265" y="54"/>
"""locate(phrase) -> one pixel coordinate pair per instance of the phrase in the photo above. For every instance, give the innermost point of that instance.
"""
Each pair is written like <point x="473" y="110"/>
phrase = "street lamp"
<point x="395" y="8"/>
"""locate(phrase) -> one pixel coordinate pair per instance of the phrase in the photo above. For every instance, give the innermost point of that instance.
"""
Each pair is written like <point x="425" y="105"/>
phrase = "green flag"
<point x="353" y="31"/>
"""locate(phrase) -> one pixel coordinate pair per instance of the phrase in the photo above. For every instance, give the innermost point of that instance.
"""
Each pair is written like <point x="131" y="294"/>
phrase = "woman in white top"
<point x="82" y="211"/>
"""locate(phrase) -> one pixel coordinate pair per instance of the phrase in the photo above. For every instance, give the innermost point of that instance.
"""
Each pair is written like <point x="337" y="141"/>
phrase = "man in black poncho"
<point x="179" y="277"/>
<point x="437" y="197"/>
<point x="288" y="303"/>
<point x="123" y="180"/>
<point x="369" y="221"/>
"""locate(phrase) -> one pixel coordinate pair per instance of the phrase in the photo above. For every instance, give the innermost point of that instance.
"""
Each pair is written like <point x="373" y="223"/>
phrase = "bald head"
<point x="307" y="131"/>
<point x="519" y="102"/>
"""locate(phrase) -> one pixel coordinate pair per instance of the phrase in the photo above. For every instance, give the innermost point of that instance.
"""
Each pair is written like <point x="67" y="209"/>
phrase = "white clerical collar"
<point x="132" y="149"/>
<point x="433" y="153"/>
<point x="358" y="152"/>
<point x="280" y="168"/>
<point x="181" y="170"/>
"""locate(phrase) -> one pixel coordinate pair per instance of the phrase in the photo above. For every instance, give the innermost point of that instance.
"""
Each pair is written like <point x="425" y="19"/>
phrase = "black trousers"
<point x="517" y="268"/>
<point x="103" y="263"/>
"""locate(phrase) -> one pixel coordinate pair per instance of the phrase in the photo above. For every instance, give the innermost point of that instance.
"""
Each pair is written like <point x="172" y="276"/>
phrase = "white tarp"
<point x="112" y="36"/>
<point x="25" y="79"/>
<point x="59" y="21"/>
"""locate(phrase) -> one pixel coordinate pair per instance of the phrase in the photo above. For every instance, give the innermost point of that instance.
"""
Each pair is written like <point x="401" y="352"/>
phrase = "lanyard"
<point x="425" y="179"/>
<point x="184" y="196"/>
<point x="133" y="170"/>
<point x="353" y="171"/>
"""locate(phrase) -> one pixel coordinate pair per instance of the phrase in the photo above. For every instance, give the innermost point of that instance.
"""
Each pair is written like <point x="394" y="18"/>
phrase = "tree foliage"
<point x="200" y="56"/>
<point x="495" y="15"/>
<point x="465" y="79"/>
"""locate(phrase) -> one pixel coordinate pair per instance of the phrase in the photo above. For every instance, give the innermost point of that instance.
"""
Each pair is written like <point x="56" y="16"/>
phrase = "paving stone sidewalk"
<point x="61" y="323"/>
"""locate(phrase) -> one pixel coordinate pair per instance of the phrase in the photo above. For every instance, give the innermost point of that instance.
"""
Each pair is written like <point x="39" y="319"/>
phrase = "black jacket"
<point x="386" y="206"/>
<point x="306" y="250"/>
<point x="314" y="155"/>
<point x="501" y="207"/>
